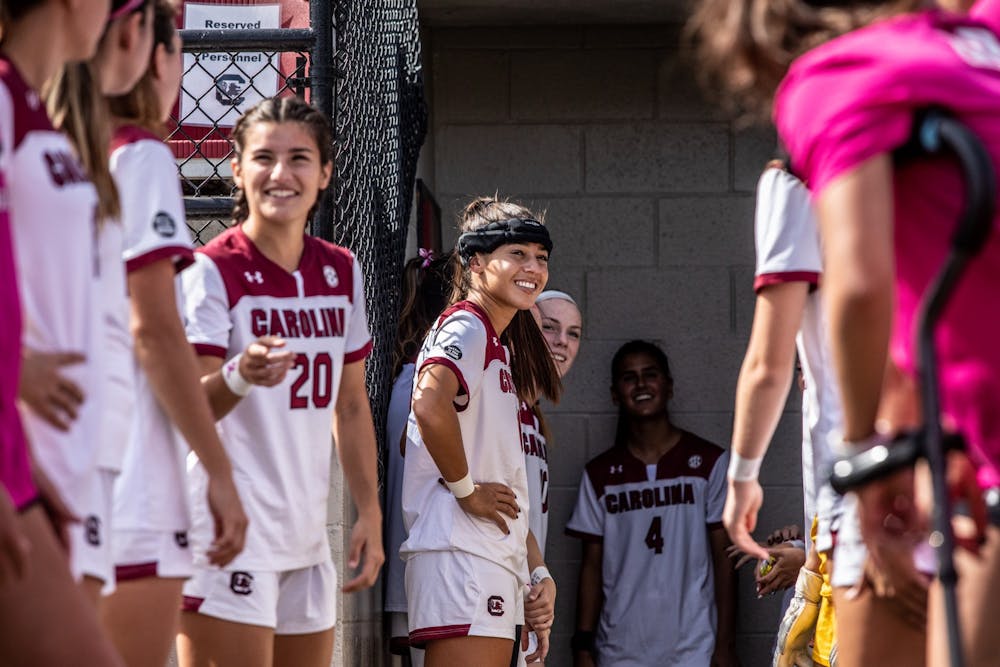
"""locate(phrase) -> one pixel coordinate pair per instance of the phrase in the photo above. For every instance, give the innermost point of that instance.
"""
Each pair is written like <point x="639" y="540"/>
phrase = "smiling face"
<point x="562" y="326"/>
<point x="513" y="275"/>
<point x="641" y="388"/>
<point x="280" y="171"/>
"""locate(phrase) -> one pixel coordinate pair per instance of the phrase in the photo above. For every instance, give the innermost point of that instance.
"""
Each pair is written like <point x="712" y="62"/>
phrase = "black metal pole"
<point x="322" y="75"/>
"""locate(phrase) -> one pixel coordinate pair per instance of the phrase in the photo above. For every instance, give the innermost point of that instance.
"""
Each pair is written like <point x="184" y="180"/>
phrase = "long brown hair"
<point x="77" y="108"/>
<point x="746" y="46"/>
<point x="281" y="110"/>
<point x="426" y="288"/>
<point x="534" y="371"/>
<point x="142" y="106"/>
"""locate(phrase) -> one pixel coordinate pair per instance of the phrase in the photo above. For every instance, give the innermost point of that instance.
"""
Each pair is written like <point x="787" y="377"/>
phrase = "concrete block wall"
<point x="648" y="191"/>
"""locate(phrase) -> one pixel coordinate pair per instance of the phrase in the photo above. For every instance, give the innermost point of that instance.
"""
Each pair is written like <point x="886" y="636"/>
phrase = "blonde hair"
<point x="746" y="46"/>
<point x="532" y="366"/>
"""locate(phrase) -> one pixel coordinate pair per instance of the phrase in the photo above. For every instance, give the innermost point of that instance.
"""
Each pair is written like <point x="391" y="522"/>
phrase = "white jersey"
<point x="536" y="465"/>
<point x="149" y="491"/>
<point x="278" y="438"/>
<point x="52" y="214"/>
<point x="788" y="250"/>
<point x="464" y="340"/>
<point x="653" y="521"/>
<point x="395" y="531"/>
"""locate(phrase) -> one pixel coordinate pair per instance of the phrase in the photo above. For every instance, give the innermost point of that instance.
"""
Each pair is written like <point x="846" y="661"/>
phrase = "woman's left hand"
<point x="540" y="605"/>
<point x="543" y="643"/>
<point x="788" y="560"/>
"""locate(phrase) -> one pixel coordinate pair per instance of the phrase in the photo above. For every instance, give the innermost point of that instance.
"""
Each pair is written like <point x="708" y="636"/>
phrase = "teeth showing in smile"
<point x="281" y="193"/>
<point x="526" y="284"/>
<point x="642" y="397"/>
<point x="558" y="357"/>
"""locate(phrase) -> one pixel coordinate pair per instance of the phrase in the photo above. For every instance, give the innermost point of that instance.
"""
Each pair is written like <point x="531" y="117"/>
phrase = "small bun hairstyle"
<point x="426" y="289"/>
<point x="282" y="110"/>
<point x="532" y="366"/>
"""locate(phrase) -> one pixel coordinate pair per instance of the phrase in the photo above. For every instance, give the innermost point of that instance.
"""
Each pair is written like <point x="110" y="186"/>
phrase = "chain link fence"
<point x="370" y="80"/>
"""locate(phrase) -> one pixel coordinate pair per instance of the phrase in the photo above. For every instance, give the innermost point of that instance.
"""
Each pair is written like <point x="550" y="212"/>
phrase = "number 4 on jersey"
<point x="654" y="536"/>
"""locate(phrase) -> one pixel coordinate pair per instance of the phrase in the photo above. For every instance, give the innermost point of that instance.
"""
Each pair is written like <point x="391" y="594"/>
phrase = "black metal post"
<point x="322" y="76"/>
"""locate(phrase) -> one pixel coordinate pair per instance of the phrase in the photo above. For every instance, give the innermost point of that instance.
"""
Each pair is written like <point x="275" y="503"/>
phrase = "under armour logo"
<point x="616" y="469"/>
<point x="254" y="277"/>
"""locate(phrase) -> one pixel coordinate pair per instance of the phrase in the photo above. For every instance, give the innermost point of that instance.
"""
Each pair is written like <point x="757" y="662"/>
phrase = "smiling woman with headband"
<point x="464" y="485"/>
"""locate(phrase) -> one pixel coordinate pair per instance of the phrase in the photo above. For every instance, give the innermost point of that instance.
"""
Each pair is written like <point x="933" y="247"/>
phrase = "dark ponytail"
<point x="532" y="366"/>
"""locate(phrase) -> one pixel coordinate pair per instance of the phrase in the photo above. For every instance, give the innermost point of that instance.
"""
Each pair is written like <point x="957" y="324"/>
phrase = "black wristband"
<point x="583" y="640"/>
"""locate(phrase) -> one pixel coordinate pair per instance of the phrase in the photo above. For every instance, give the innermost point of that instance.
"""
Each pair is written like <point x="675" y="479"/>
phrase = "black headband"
<point x="490" y="237"/>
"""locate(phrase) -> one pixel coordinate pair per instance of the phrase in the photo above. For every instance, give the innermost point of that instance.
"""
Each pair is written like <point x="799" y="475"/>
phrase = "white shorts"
<point x="455" y="594"/>
<point x="140" y="554"/>
<point x="295" y="602"/>
<point x="90" y="539"/>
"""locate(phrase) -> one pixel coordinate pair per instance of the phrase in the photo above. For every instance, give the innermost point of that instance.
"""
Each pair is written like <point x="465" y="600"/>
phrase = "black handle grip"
<point x="875" y="463"/>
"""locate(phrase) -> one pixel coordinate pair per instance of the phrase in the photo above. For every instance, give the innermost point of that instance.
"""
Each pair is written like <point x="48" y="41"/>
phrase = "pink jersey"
<point x="881" y="76"/>
<point x="15" y="473"/>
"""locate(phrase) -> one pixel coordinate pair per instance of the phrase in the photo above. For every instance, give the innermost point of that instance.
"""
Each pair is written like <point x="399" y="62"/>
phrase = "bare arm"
<point x="761" y="392"/>
<point x="263" y="363"/>
<point x="855" y="213"/>
<point x="590" y="596"/>
<point x="354" y="436"/>
<point x="437" y="421"/>
<point x="725" y="598"/>
<point x="170" y="364"/>
<point x="539" y="603"/>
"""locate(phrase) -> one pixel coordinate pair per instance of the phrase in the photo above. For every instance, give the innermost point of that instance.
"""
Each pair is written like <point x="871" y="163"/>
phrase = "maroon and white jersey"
<point x="148" y="492"/>
<point x="659" y="598"/>
<point x="536" y="466"/>
<point x="464" y="340"/>
<point x="52" y="208"/>
<point x="788" y="250"/>
<point x="278" y="438"/>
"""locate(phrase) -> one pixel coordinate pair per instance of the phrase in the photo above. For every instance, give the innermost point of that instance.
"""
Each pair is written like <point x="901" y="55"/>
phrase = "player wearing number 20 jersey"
<point x="278" y="438"/>
<point x="659" y="600"/>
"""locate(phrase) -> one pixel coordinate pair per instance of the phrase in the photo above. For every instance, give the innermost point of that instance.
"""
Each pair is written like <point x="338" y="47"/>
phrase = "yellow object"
<point x="766" y="566"/>
<point x="826" y="622"/>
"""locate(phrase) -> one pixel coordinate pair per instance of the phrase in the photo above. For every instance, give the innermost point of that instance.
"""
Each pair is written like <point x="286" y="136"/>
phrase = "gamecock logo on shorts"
<point x="181" y="539"/>
<point x="92" y="528"/>
<point x="241" y="583"/>
<point x="495" y="605"/>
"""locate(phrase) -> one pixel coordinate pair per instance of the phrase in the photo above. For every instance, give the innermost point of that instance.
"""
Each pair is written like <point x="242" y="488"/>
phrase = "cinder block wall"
<point x="648" y="191"/>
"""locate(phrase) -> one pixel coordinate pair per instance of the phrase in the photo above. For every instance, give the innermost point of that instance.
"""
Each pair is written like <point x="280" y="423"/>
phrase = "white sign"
<point x="217" y="86"/>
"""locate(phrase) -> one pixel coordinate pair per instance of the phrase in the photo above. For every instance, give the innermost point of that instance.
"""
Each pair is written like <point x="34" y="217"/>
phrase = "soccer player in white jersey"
<point x="150" y="515"/>
<point x="656" y="588"/>
<point x="558" y="316"/>
<point x="789" y="314"/>
<point x="268" y="305"/>
<point x="469" y="553"/>
<point x="77" y="107"/>
<point x="49" y="203"/>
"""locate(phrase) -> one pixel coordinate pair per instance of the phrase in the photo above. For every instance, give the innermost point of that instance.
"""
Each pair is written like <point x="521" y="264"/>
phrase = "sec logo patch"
<point x="694" y="461"/>
<point x="331" y="276"/>
<point x="163" y="224"/>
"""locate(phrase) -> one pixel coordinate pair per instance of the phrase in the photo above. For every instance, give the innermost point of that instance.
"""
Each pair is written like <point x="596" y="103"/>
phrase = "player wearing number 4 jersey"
<point x="268" y="305"/>
<point x="655" y="585"/>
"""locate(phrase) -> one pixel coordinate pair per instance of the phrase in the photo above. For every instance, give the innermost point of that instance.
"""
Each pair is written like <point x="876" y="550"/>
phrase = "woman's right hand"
<point x="491" y="501"/>
<point x="263" y="362"/>
<point x="743" y="501"/>
<point x="229" y="518"/>
<point x="49" y="394"/>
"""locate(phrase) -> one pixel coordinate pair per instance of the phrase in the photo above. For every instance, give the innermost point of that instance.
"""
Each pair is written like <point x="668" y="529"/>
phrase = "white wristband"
<point x="233" y="378"/>
<point x="462" y="488"/>
<point x="743" y="470"/>
<point x="539" y="574"/>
